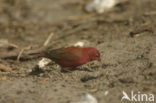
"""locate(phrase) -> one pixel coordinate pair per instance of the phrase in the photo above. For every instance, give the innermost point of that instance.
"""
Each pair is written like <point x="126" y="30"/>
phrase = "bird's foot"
<point x="66" y="70"/>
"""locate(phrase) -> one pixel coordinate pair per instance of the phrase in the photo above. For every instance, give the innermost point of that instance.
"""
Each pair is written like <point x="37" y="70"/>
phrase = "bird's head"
<point x="94" y="54"/>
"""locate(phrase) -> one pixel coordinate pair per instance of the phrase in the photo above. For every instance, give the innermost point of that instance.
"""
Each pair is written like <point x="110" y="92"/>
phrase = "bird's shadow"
<point x="36" y="71"/>
<point x="70" y="70"/>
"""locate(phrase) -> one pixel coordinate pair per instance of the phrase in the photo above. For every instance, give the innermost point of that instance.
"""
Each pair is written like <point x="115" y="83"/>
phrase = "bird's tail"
<point x="38" y="54"/>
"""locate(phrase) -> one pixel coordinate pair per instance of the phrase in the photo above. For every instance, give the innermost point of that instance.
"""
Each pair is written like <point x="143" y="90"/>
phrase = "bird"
<point x="71" y="56"/>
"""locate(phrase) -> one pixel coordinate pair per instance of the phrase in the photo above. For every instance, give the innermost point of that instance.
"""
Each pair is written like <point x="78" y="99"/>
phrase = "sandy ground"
<point x="125" y="36"/>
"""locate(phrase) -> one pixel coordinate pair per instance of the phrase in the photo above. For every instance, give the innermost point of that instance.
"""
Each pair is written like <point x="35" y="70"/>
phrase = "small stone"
<point x="106" y="93"/>
<point x="88" y="98"/>
<point x="80" y="43"/>
<point x="42" y="63"/>
<point x="100" y="6"/>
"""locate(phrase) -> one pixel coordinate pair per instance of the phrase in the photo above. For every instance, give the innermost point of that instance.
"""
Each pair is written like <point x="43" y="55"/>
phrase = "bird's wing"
<point x="66" y="54"/>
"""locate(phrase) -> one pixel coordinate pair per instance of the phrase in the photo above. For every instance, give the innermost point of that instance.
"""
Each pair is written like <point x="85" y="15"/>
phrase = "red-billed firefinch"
<point x="72" y="56"/>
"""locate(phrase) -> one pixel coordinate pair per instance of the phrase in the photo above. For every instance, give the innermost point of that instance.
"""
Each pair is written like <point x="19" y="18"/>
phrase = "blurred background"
<point x="124" y="31"/>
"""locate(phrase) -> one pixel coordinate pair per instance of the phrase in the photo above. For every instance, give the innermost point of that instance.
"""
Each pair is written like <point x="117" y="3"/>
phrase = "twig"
<point x="5" y="43"/>
<point x="13" y="45"/>
<point x="76" y="18"/>
<point x="21" y="52"/>
<point x="137" y="32"/>
<point x="19" y="55"/>
<point x="150" y="13"/>
<point x="15" y="54"/>
<point x="48" y="39"/>
<point x="5" y="68"/>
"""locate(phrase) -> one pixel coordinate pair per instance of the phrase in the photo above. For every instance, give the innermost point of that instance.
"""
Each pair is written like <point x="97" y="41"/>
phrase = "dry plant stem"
<point x="48" y="39"/>
<point x="13" y="45"/>
<point x="21" y="52"/>
<point x="13" y="54"/>
<point x="150" y="13"/>
<point x="5" y="43"/>
<point x="18" y="57"/>
<point x="5" y="68"/>
<point x="25" y="52"/>
<point x="85" y="16"/>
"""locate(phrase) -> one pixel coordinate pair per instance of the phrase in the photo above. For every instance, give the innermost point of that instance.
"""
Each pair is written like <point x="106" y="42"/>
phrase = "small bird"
<point x="72" y="56"/>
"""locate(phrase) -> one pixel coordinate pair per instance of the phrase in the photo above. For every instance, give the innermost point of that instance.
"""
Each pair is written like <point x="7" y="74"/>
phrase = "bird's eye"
<point x="96" y="55"/>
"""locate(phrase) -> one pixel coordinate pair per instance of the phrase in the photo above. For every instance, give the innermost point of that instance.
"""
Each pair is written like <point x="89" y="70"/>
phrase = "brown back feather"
<point x="65" y="54"/>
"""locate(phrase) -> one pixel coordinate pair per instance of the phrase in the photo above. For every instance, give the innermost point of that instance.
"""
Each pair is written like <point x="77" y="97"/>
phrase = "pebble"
<point x="100" y="6"/>
<point x="42" y="63"/>
<point x="88" y="98"/>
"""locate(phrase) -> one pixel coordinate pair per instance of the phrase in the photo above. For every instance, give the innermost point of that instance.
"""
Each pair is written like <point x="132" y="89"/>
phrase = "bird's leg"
<point x="66" y="70"/>
<point x="83" y="68"/>
<point x="69" y="69"/>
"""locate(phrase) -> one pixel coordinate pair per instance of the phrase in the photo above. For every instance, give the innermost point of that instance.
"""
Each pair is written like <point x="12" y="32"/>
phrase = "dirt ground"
<point x="125" y="37"/>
